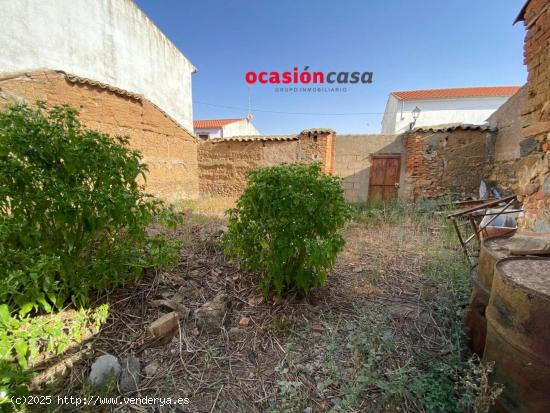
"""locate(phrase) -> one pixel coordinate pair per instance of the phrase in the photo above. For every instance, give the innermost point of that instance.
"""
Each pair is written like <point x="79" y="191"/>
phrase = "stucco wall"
<point x="240" y="128"/>
<point x="390" y="115"/>
<point x="211" y="132"/>
<point x="439" y="112"/>
<point x="353" y="161"/>
<point x="507" y="120"/>
<point x="169" y="150"/>
<point x="111" y="41"/>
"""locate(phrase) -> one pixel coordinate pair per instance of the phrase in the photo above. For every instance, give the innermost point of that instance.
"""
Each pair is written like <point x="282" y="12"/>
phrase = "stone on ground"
<point x="235" y="333"/>
<point x="173" y="304"/>
<point x="151" y="369"/>
<point x="130" y="378"/>
<point x="211" y="314"/>
<point x="103" y="368"/>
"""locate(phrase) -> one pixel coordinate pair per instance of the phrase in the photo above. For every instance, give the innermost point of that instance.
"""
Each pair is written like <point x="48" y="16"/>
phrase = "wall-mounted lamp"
<point x="415" y="114"/>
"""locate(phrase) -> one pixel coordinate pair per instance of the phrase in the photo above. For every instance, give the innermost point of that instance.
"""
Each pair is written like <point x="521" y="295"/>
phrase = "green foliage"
<point x="23" y="339"/>
<point x="290" y="399"/>
<point x="443" y="384"/>
<point x="73" y="221"/>
<point x="285" y="225"/>
<point x="416" y="378"/>
<point x="377" y="212"/>
<point x="73" y="216"/>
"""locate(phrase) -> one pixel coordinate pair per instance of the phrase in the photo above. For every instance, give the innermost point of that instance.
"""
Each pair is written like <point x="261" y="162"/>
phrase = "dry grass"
<point x="379" y="315"/>
<point x="209" y="206"/>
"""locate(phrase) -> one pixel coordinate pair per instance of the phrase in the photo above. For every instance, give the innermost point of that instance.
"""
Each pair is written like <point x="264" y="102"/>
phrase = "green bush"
<point x="285" y="226"/>
<point x="73" y="221"/>
<point x="73" y="216"/>
<point x="23" y="339"/>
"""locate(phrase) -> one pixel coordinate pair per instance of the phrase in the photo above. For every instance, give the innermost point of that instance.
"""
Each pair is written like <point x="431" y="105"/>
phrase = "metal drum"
<point x="518" y="334"/>
<point x="491" y="250"/>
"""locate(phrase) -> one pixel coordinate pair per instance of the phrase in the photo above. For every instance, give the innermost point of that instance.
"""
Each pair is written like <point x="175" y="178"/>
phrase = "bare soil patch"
<point x="325" y="352"/>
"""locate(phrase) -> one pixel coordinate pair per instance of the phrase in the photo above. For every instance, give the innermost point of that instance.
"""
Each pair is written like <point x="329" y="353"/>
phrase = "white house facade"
<point x="224" y="128"/>
<point x="443" y="106"/>
<point x="110" y="41"/>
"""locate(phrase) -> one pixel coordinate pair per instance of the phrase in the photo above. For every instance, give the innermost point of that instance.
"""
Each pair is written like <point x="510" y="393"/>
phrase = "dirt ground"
<point x="356" y="345"/>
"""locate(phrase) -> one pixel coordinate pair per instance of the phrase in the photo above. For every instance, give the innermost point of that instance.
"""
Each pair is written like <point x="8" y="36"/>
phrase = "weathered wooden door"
<point x="384" y="177"/>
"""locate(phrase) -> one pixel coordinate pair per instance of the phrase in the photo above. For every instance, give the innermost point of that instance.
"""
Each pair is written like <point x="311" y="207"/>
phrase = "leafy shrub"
<point x="24" y="338"/>
<point x="73" y="216"/>
<point x="285" y="225"/>
<point x="73" y="221"/>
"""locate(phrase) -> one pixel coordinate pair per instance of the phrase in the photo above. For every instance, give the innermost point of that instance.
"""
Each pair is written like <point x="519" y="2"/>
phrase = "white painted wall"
<point x="111" y="41"/>
<point x="211" y="132"/>
<point x="242" y="127"/>
<point x="389" y="119"/>
<point x="474" y="110"/>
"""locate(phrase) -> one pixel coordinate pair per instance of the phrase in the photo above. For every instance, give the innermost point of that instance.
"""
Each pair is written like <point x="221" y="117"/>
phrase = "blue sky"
<point x="407" y="44"/>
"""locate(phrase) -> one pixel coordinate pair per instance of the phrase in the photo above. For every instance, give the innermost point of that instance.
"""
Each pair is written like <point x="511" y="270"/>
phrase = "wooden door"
<point x="384" y="177"/>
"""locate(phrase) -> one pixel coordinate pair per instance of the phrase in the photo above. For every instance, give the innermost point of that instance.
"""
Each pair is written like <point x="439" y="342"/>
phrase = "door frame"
<point x="398" y="156"/>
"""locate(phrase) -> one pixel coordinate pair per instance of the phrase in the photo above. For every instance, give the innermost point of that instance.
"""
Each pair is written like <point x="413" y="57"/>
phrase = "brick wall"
<point x="223" y="163"/>
<point x="534" y="168"/>
<point x="447" y="162"/>
<point x="169" y="150"/>
<point x="353" y="161"/>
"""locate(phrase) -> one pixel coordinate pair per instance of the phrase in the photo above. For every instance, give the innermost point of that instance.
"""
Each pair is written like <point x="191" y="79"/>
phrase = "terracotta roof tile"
<point x="456" y="92"/>
<point x="85" y="81"/>
<point x="213" y="123"/>
<point x="317" y="131"/>
<point x="455" y="126"/>
<point x="47" y="73"/>
<point x="252" y="138"/>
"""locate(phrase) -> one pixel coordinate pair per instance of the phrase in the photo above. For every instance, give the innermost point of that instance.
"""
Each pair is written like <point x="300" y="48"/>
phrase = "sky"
<point x="408" y="45"/>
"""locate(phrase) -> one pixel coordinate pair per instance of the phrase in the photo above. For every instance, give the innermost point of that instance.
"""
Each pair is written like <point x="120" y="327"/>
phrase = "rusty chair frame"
<point x="470" y="213"/>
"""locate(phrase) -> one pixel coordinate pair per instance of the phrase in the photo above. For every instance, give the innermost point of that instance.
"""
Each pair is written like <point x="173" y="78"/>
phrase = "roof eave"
<point x="521" y="16"/>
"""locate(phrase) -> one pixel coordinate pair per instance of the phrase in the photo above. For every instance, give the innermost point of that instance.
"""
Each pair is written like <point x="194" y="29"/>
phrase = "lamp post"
<point x="415" y="114"/>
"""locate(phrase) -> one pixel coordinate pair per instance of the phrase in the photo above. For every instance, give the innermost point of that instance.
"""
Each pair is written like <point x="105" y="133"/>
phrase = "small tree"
<point x="285" y="226"/>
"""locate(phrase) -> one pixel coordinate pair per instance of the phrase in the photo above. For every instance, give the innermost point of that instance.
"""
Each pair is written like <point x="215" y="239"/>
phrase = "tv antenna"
<point x="249" y="115"/>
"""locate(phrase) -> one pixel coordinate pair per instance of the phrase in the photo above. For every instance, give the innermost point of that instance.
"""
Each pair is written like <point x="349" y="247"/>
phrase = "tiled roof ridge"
<point x="254" y="138"/>
<point x="214" y="123"/>
<point x="477" y="91"/>
<point x="454" y="126"/>
<point x="45" y="73"/>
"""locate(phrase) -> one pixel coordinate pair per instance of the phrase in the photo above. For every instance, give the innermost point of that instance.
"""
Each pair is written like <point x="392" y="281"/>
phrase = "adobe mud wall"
<point x="111" y="41"/>
<point x="169" y="150"/>
<point x="222" y="164"/>
<point x="354" y="157"/>
<point x="447" y="162"/>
